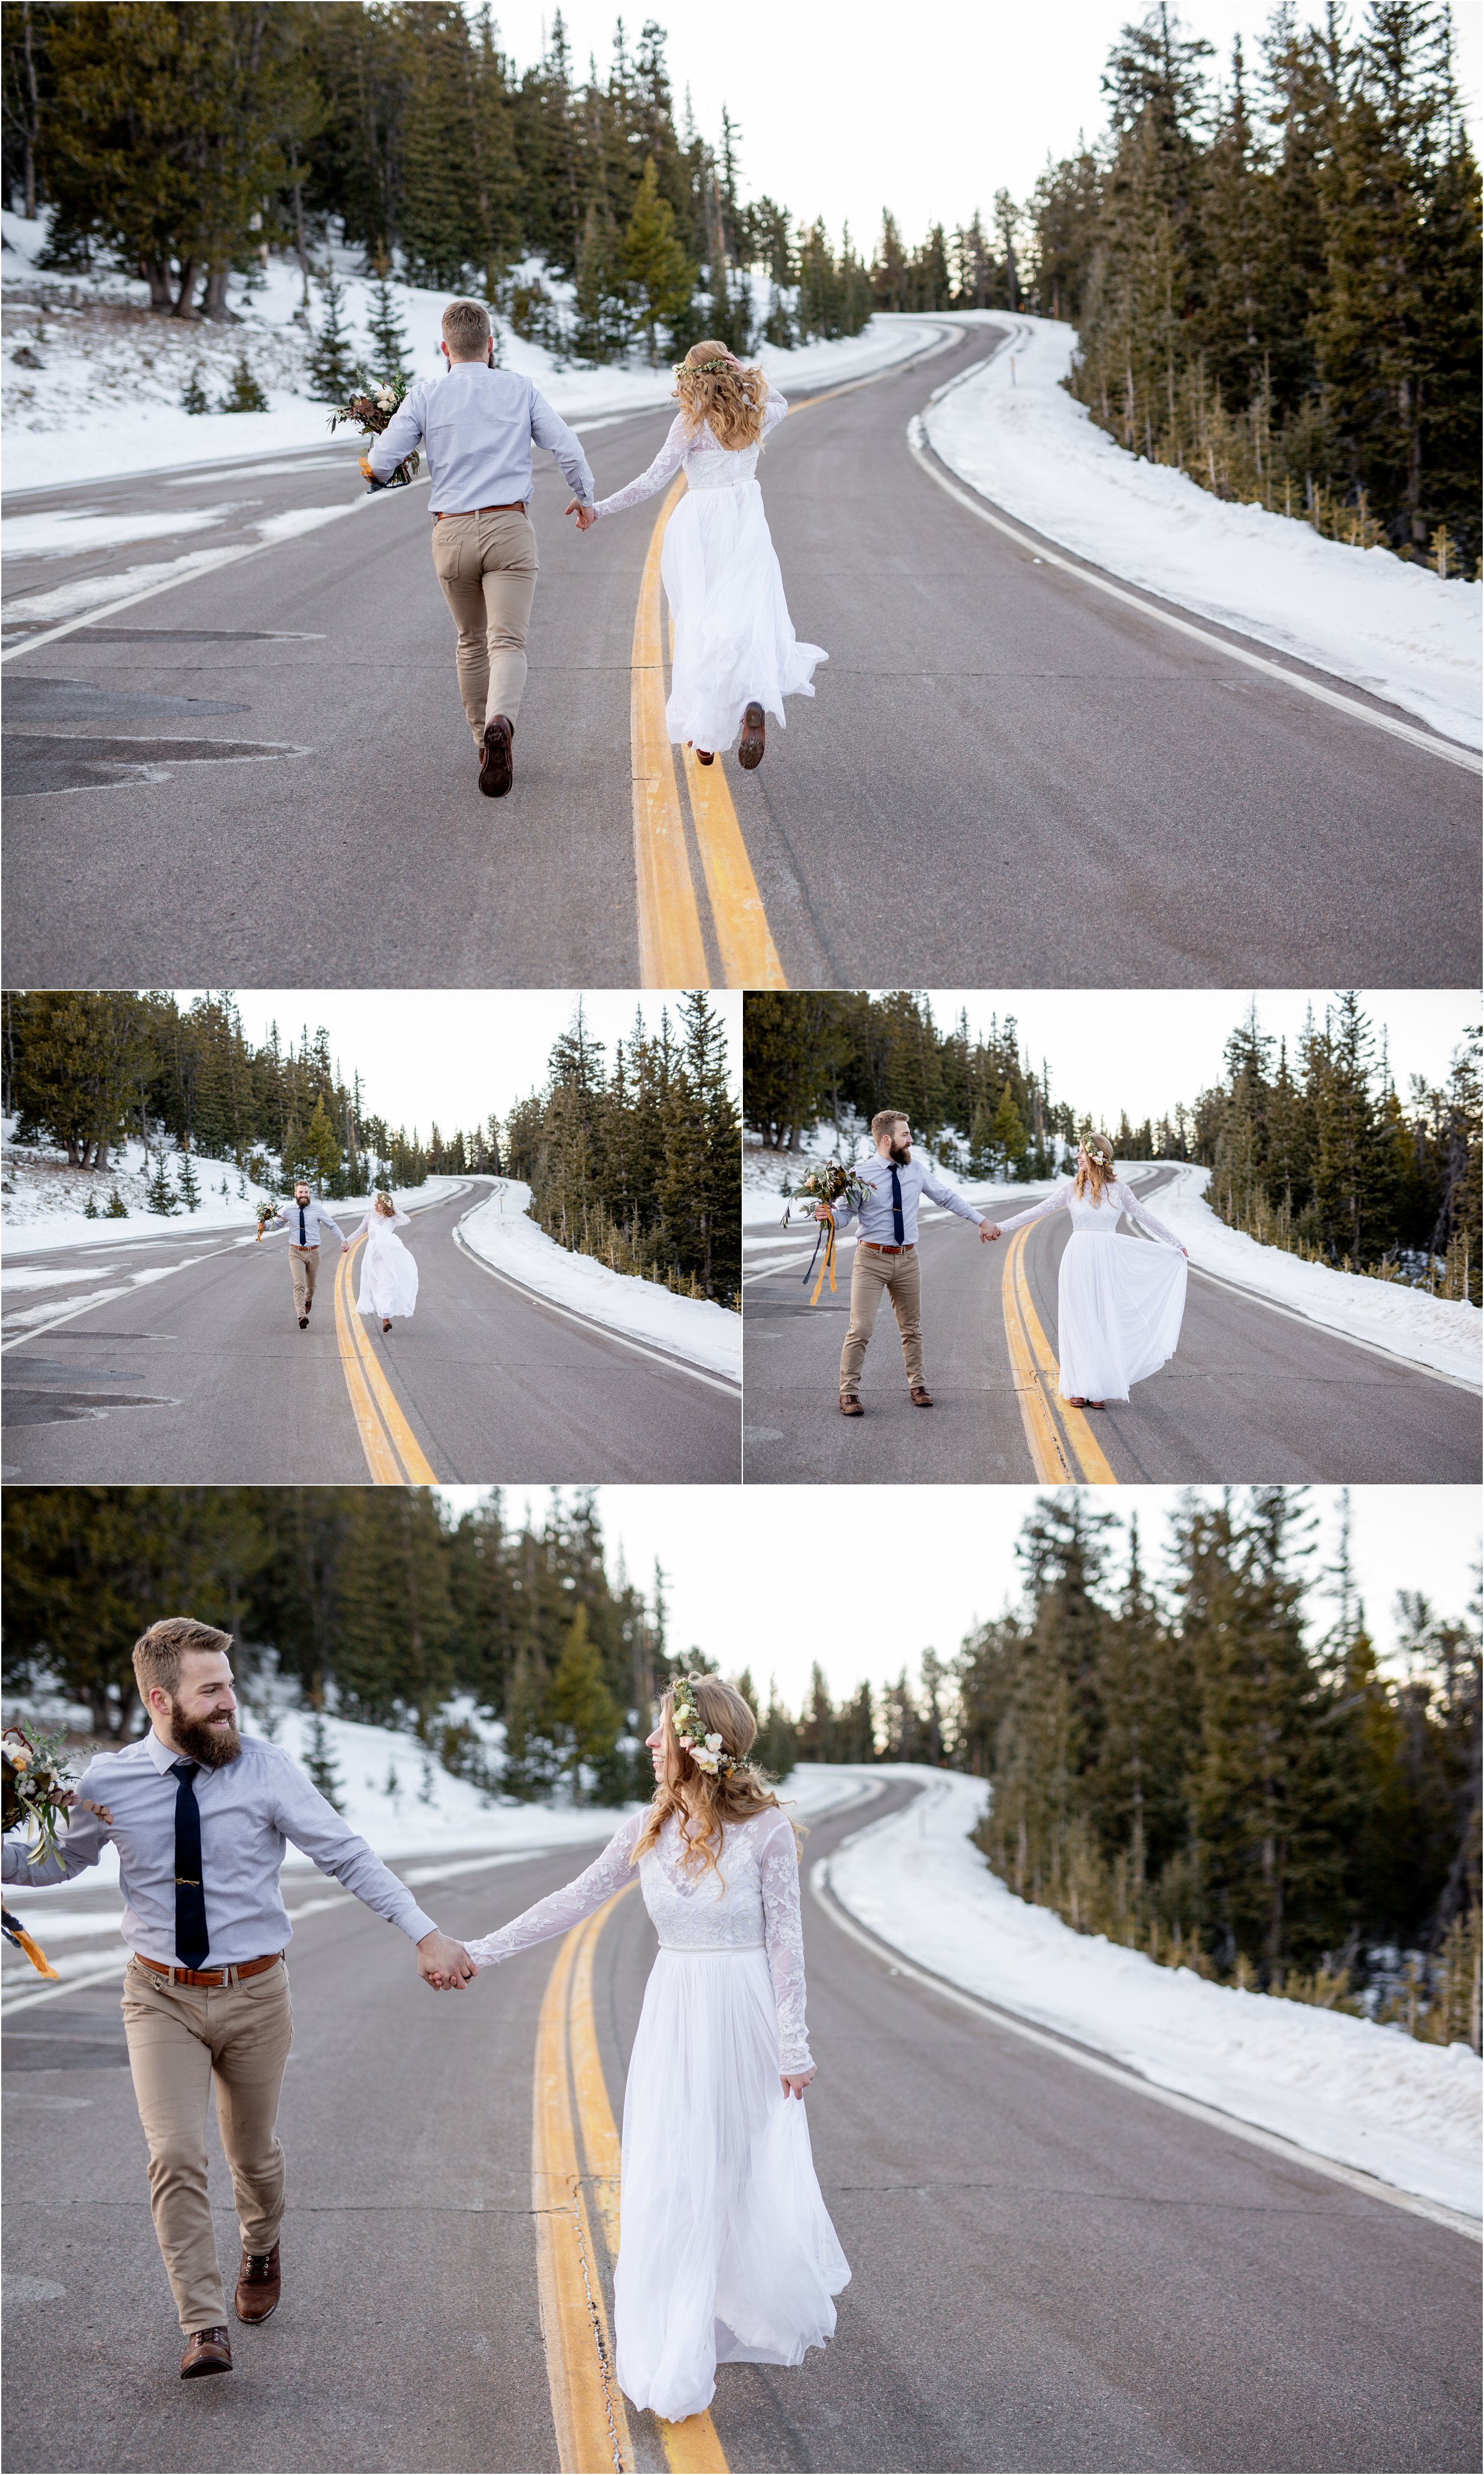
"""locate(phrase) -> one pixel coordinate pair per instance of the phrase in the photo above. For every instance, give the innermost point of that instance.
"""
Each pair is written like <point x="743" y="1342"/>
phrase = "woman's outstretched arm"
<point x="666" y="464"/>
<point x="1057" y="1200"/>
<point x="562" y="1909"/>
<point x="1136" y="1209"/>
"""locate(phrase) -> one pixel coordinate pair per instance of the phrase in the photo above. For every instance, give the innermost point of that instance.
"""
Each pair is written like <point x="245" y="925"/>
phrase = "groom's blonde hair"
<point x="884" y="1119"/>
<point x="466" y="329"/>
<point x="158" y="1653"/>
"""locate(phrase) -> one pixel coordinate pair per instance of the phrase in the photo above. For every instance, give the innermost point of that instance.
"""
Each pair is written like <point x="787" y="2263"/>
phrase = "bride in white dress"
<point x="389" y="1274"/>
<point x="1119" y="1303"/>
<point x="727" y="2251"/>
<point x="736" y="655"/>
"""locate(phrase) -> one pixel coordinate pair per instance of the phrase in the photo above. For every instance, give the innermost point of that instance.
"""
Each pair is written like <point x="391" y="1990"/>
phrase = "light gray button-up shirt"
<point x="877" y="1225"/>
<point x="249" y="1808"/>
<point x="312" y="1215"/>
<point x="476" y="426"/>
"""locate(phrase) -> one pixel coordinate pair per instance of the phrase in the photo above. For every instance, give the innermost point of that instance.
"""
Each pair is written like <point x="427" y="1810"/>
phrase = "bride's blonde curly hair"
<point x="717" y="389"/>
<point x="1096" y="1167"/>
<point x="711" y="1798"/>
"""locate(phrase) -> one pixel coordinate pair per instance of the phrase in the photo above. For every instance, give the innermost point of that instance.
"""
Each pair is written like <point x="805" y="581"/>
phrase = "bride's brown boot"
<point x="705" y="756"/>
<point x="750" y="745"/>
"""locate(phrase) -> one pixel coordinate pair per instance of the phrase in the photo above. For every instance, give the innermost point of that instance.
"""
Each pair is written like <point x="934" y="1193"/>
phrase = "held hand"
<point x="586" y="515"/>
<point x="988" y="1231"/>
<point x="444" y="1964"/>
<point x="794" y="2083"/>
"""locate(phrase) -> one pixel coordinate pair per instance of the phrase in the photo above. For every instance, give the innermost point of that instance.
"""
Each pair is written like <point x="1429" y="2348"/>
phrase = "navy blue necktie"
<point x="898" y="1225"/>
<point x="191" y="1938"/>
<point x="302" y="1239"/>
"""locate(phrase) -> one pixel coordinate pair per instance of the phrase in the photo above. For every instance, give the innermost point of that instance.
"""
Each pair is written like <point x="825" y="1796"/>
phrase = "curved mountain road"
<point x="190" y="1367"/>
<point x="264" y="773"/>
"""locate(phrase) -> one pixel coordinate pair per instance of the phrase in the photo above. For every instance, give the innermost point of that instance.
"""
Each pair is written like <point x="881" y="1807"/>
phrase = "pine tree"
<point x="319" y="1763"/>
<point x="90" y="1208"/>
<point x="334" y="370"/>
<point x="160" y="1195"/>
<point x="189" y="1187"/>
<point x="244" y="395"/>
<point x="391" y="350"/>
<point x="654" y="261"/>
<point x="118" y="1209"/>
<point x="194" y="398"/>
<point x="585" y="1717"/>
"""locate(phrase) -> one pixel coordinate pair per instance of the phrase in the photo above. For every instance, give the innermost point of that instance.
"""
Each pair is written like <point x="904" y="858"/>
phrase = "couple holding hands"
<point x="1119" y="1303"/>
<point x="727" y="2251"/>
<point x="735" y="657"/>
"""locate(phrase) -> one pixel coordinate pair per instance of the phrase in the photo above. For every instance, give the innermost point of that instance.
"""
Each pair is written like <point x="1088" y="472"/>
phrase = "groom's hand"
<point x="442" y="1963"/>
<point x="823" y="1213"/>
<point x="584" y="514"/>
<point x="988" y="1232"/>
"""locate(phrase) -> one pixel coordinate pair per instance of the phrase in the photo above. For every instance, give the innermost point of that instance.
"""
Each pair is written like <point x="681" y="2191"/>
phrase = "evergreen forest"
<point x="1317" y="1154"/>
<point x="1273" y="261"/>
<point x="1200" y="1754"/>
<point x="639" y="1164"/>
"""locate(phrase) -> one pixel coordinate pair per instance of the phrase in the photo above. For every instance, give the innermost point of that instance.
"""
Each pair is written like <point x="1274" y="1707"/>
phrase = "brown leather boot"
<point x="922" y="1397"/>
<point x="259" y="2285"/>
<point x="497" y="772"/>
<point x="754" y="738"/>
<point x="850" y="1406"/>
<point x="206" y="2350"/>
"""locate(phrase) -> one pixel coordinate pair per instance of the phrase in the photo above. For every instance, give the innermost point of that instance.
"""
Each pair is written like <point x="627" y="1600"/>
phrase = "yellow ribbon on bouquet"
<point x="14" y="1932"/>
<point x="827" y="1231"/>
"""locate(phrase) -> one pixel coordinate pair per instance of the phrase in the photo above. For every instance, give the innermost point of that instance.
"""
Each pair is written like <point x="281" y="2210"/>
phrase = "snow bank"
<point x="1368" y="2096"/>
<point x="1014" y="433"/>
<point x="1441" y="1333"/>
<point x="107" y="399"/>
<point x="501" y="1233"/>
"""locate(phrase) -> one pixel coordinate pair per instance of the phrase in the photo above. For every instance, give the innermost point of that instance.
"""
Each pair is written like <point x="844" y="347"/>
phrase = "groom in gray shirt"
<point x="200" y="1816"/>
<point x="887" y="1253"/>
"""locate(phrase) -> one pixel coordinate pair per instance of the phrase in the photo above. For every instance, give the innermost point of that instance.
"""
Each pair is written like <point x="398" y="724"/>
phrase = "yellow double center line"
<point x="393" y="1454"/>
<point x="1063" y="1448"/>
<point x="574" y="2198"/>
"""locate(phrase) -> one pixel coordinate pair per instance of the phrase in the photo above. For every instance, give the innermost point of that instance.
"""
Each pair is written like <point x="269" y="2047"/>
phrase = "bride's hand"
<point x="794" y="2083"/>
<point x="584" y="514"/>
<point x="988" y="1231"/>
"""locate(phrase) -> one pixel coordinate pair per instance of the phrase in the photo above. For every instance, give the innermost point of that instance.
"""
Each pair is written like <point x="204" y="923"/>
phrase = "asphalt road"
<point x="190" y="1367"/>
<point x="1049" y="2270"/>
<point x="265" y="773"/>
<point x="1254" y="1393"/>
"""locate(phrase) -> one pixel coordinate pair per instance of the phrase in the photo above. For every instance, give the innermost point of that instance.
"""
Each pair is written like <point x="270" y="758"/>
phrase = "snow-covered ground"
<point x="107" y="397"/>
<point x="1012" y="431"/>
<point x="1442" y="1333"/>
<point x="1368" y="2096"/>
<point x="501" y="1231"/>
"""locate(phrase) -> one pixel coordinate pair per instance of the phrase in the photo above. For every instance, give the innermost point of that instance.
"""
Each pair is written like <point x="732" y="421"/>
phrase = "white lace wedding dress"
<point x="727" y="2251"/>
<point x="1119" y="1303"/>
<point x="734" y="641"/>
<point x="389" y="1274"/>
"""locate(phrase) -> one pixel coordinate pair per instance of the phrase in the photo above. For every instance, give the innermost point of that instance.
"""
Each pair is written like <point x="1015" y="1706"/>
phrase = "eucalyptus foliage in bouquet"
<point x="266" y="1210"/>
<point x="826" y="1185"/>
<point x="37" y="1782"/>
<point x="372" y="411"/>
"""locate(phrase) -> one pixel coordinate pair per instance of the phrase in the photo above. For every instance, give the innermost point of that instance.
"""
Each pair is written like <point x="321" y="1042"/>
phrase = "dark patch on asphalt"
<point x="33" y="699"/>
<point x="204" y="636"/>
<point x="35" y="764"/>
<point x="85" y="2047"/>
<point x="62" y="1408"/>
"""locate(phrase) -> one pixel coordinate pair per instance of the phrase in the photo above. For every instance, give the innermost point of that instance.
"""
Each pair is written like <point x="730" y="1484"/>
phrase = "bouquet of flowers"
<point x="267" y="1211"/>
<point x="374" y="410"/>
<point x="827" y="1185"/>
<point x="39" y="1779"/>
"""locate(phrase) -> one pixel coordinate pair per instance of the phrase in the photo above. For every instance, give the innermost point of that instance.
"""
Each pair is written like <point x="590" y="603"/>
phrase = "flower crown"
<point x="704" y="369"/>
<point x="708" y="1752"/>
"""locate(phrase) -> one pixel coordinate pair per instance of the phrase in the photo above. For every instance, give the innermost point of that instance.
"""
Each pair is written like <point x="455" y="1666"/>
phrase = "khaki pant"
<point x="901" y="1277"/>
<point x="180" y="2037"/>
<point x="304" y="1262"/>
<point x="487" y="568"/>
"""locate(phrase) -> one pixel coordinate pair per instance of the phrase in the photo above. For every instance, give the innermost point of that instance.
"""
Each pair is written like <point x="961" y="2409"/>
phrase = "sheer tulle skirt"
<point x="727" y="2251"/>
<point x="1119" y="1305"/>
<point x="734" y="641"/>
<point x="389" y="1279"/>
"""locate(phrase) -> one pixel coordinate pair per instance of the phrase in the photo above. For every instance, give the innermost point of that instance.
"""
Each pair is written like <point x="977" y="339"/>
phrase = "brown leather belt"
<point x="889" y="1250"/>
<point x="507" y="507"/>
<point x="232" y="1975"/>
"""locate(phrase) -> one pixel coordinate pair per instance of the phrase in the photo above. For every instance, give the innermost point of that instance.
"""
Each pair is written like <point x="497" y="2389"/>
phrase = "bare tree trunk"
<point x="156" y="275"/>
<point x="214" y="300"/>
<point x="184" y="299"/>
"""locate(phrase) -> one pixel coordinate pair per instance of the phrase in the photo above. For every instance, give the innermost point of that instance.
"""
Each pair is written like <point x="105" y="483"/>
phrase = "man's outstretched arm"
<point x="403" y="434"/>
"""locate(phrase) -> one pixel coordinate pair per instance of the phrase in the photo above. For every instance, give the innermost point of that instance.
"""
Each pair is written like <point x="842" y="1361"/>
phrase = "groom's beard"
<point x="902" y="1154"/>
<point x="213" y="1745"/>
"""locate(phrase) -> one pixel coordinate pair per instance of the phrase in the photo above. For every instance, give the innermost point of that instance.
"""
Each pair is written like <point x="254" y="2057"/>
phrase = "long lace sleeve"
<point x="1056" y="1201"/>
<point x="1130" y="1202"/>
<point x="773" y="411"/>
<point x="561" y="1909"/>
<point x="666" y="464"/>
<point x="782" y="1932"/>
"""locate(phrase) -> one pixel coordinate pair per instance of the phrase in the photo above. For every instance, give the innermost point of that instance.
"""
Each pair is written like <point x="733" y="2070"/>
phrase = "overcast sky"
<point x="846" y="105"/>
<point x="773" y="1578"/>
<point x="459" y="1057"/>
<point x="1143" y="1050"/>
